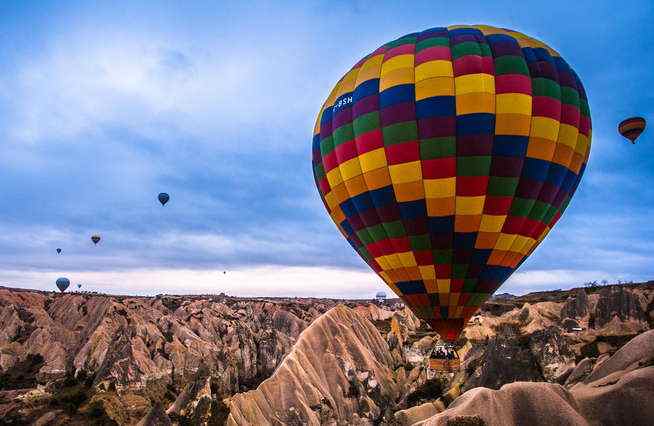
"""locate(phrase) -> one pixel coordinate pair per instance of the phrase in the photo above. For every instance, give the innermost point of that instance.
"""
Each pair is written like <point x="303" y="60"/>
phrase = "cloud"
<point x="76" y="89"/>
<point x="271" y="281"/>
<point x="32" y="248"/>
<point x="545" y="280"/>
<point x="230" y="95"/>
<point x="100" y="111"/>
<point x="102" y="120"/>
<point x="274" y="281"/>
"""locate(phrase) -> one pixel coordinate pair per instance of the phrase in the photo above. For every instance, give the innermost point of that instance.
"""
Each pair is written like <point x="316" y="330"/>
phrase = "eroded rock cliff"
<point x="97" y="359"/>
<point x="340" y="370"/>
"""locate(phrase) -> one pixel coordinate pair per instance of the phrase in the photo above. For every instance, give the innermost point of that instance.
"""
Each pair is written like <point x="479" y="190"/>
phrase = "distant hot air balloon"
<point x="62" y="284"/>
<point x="95" y="238"/>
<point x="632" y="127"/>
<point x="58" y="251"/>
<point x="163" y="198"/>
<point x="446" y="156"/>
<point x="79" y="285"/>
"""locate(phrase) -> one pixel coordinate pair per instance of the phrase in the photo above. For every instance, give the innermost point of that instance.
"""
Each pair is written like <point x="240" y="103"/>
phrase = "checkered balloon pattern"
<point x="446" y="156"/>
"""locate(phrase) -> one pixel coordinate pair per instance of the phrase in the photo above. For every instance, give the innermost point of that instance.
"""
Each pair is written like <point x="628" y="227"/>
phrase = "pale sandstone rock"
<point x="638" y="351"/>
<point x="520" y="403"/>
<point x="418" y="413"/>
<point x="340" y="370"/>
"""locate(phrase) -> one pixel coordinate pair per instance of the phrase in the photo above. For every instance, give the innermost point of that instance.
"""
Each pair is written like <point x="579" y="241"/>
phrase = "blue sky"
<point x="103" y="106"/>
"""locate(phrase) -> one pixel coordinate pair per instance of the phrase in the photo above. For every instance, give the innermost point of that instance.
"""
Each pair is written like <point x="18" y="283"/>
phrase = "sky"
<point x="105" y="104"/>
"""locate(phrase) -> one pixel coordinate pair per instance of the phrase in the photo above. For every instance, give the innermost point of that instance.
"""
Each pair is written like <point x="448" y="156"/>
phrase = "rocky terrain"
<point x="75" y="358"/>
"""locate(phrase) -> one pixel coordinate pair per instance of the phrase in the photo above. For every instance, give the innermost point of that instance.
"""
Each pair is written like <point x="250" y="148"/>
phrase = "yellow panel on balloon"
<point x="396" y="78"/>
<point x="370" y="69"/>
<point x="471" y="83"/>
<point x="568" y="135"/>
<point x="405" y="172"/>
<point x="437" y="68"/>
<point x="492" y="223"/>
<point x="372" y="160"/>
<point x="513" y="103"/>
<point x="477" y="102"/>
<point x="544" y="127"/>
<point x="470" y="205"/>
<point x="397" y="62"/>
<point x="436" y="86"/>
<point x="443" y="286"/>
<point x="407" y="259"/>
<point x="440" y="188"/>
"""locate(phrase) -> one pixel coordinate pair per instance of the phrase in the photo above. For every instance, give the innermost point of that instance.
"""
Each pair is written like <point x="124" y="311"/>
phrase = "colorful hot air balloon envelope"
<point x="62" y="284"/>
<point x="632" y="127"/>
<point x="58" y="251"/>
<point x="446" y="156"/>
<point x="163" y="198"/>
<point x="95" y="238"/>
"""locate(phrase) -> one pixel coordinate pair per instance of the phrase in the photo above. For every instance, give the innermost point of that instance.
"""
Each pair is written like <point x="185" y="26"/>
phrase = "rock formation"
<point x="577" y="305"/>
<point x="150" y="347"/>
<point x="619" y="391"/>
<point x="340" y="371"/>
<point x="95" y="359"/>
<point x="520" y="403"/>
<point x="619" y="302"/>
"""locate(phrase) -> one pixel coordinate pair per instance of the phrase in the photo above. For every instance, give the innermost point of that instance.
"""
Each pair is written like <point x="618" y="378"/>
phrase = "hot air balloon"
<point x="62" y="284"/>
<point x="163" y="198"/>
<point x="632" y="127"/>
<point x="446" y="156"/>
<point x="95" y="238"/>
<point x="58" y="251"/>
<point x="79" y="285"/>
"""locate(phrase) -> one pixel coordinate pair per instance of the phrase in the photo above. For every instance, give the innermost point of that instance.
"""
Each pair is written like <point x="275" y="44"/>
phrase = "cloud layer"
<point x="103" y="107"/>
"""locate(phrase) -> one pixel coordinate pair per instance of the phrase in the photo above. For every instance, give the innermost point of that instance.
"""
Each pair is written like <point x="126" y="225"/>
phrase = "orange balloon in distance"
<point x="446" y="156"/>
<point x="632" y="127"/>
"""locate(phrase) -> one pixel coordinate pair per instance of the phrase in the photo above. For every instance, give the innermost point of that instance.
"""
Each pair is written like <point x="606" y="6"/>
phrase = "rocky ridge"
<point x="618" y="391"/>
<point x="95" y="359"/>
<point x="148" y="348"/>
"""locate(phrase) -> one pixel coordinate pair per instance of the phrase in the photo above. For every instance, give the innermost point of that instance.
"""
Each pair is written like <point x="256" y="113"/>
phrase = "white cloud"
<point x="85" y="83"/>
<point x="257" y="281"/>
<point x="544" y="280"/>
<point x="77" y="89"/>
<point x="33" y="248"/>
<point x="274" y="281"/>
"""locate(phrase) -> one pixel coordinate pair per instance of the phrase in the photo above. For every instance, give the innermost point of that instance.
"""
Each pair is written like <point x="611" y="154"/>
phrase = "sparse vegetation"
<point x="466" y="421"/>
<point x="23" y="374"/>
<point x="428" y="391"/>
<point x="71" y="393"/>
